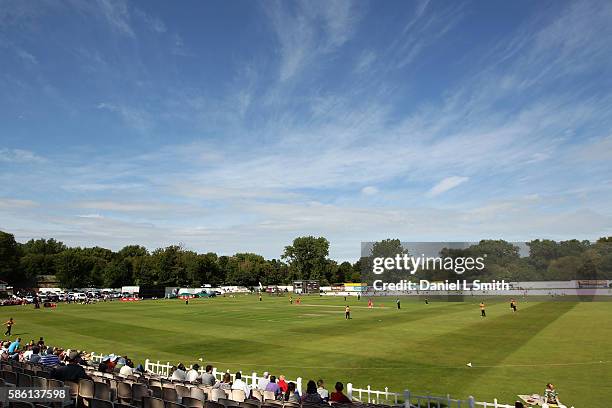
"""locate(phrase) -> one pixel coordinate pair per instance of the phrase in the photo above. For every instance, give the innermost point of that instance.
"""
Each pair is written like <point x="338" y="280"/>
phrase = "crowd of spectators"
<point x="68" y="365"/>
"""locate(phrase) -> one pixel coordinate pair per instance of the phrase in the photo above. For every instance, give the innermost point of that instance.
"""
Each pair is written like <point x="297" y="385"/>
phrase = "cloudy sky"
<point x="237" y="126"/>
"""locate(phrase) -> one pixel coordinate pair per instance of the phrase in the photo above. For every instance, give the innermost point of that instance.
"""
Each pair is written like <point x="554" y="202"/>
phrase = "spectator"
<point x="225" y="384"/>
<point x="41" y="342"/>
<point x="208" y="378"/>
<point x="35" y="356"/>
<point x="264" y="381"/>
<point x="273" y="386"/>
<point x="14" y="347"/>
<point x="291" y="395"/>
<point x="322" y="391"/>
<point x="70" y="372"/>
<point x="241" y="385"/>
<point x="127" y="369"/>
<point x="51" y="358"/>
<point x="192" y="375"/>
<point x="312" y="395"/>
<point x="179" y="373"/>
<point x="551" y="396"/>
<point x="338" y="396"/>
<point x="112" y="363"/>
<point x="103" y="366"/>
<point x="282" y="383"/>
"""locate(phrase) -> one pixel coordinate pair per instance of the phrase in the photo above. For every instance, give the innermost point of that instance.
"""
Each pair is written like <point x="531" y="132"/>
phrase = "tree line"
<point x="21" y="264"/>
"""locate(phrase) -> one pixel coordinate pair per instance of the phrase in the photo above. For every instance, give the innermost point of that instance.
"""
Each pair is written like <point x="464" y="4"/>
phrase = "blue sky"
<point x="237" y="126"/>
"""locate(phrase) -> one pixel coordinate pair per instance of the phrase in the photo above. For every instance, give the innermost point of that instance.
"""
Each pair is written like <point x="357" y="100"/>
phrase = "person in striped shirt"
<point x="51" y="358"/>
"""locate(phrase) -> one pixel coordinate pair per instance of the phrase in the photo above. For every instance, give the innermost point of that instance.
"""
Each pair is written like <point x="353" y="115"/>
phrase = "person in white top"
<point x="264" y="381"/>
<point x="127" y="369"/>
<point x="238" y="384"/>
<point x="179" y="373"/>
<point x="322" y="391"/>
<point x="192" y="375"/>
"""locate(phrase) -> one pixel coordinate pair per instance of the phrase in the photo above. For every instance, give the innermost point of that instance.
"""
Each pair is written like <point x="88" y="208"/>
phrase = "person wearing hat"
<point x="70" y="372"/>
<point x="264" y="381"/>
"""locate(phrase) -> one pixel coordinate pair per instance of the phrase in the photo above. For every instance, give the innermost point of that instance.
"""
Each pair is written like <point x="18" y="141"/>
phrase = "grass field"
<point x="421" y="347"/>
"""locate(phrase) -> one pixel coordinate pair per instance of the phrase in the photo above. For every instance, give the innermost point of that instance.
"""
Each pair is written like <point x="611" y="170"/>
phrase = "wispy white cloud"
<point x="446" y="184"/>
<point x="19" y="156"/>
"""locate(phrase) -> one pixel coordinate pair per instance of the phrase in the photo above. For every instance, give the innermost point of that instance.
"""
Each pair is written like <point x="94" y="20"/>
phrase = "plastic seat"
<point x="98" y="403"/>
<point x="102" y="391"/>
<point x="139" y="391"/>
<point x="217" y="393"/>
<point x="124" y="392"/>
<point x="190" y="402"/>
<point x="152" y="402"/>
<point x="197" y="393"/>
<point x="238" y="395"/>
<point x="169" y="394"/>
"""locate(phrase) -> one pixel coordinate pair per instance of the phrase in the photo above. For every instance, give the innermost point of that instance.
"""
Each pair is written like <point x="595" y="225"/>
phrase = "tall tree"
<point x="307" y="257"/>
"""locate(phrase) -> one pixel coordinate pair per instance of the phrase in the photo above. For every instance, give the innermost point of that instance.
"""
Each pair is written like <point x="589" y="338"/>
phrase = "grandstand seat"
<point x="269" y="395"/>
<point x="86" y="392"/>
<point x="212" y="404"/>
<point x="190" y="402"/>
<point x="182" y="391"/>
<point x="10" y="377"/>
<point x="155" y="382"/>
<point x="99" y="403"/>
<point x="124" y="392"/>
<point x="217" y="393"/>
<point x="156" y="391"/>
<point x="257" y="395"/>
<point x="73" y="389"/>
<point x="238" y="395"/>
<point x="51" y="383"/>
<point x="170" y="404"/>
<point x="152" y="402"/>
<point x="102" y="391"/>
<point x="20" y="404"/>
<point x="139" y="391"/>
<point x="24" y="380"/>
<point x="197" y="393"/>
<point x="120" y="405"/>
<point x="169" y="394"/>
<point x="39" y="382"/>
<point x="249" y="404"/>
<point x="227" y="402"/>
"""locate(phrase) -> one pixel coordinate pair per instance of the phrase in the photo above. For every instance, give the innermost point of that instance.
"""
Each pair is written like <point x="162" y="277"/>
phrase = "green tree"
<point x="9" y="259"/>
<point x="307" y="257"/>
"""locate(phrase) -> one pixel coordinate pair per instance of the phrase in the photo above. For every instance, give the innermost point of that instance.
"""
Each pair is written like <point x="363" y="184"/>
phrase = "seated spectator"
<point x="282" y="383"/>
<point x="103" y="366"/>
<point x="179" y="373"/>
<point x="292" y="395"/>
<point x="239" y="384"/>
<point x="41" y="343"/>
<point x="14" y="347"/>
<point x="312" y="395"/>
<point x="551" y="396"/>
<point x="322" y="391"/>
<point x="192" y="375"/>
<point x="35" y="356"/>
<point x="208" y="378"/>
<point x="70" y="372"/>
<point x="273" y="386"/>
<point x="338" y="396"/>
<point x="112" y="363"/>
<point x="127" y="369"/>
<point x="225" y="384"/>
<point x="51" y="358"/>
<point x="264" y="381"/>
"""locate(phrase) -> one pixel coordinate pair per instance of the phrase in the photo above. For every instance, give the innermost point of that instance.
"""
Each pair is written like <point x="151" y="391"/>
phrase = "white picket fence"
<point x="361" y="394"/>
